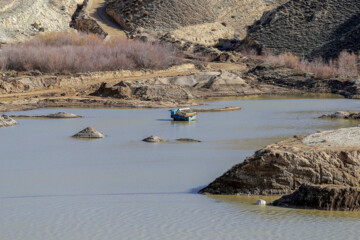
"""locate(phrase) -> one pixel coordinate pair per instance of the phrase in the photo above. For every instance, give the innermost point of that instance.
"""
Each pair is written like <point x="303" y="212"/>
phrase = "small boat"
<point x="183" y="114"/>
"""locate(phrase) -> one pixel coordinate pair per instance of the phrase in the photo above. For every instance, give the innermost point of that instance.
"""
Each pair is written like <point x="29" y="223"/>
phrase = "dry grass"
<point x="345" y="66"/>
<point x="72" y="52"/>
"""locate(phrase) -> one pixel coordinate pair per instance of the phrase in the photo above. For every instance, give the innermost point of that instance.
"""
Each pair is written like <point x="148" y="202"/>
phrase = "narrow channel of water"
<point x="56" y="187"/>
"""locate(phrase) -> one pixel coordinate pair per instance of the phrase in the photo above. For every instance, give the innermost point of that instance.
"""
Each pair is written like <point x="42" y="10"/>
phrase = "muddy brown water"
<point x="55" y="187"/>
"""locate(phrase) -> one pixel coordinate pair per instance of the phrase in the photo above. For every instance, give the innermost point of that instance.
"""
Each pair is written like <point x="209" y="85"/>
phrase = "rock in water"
<point x="58" y="115"/>
<point x="342" y="115"/>
<point x="324" y="197"/>
<point x="89" y="132"/>
<point x="154" y="139"/>
<point x="63" y="115"/>
<point x="331" y="157"/>
<point x="261" y="202"/>
<point x="6" y="121"/>
<point x="188" y="140"/>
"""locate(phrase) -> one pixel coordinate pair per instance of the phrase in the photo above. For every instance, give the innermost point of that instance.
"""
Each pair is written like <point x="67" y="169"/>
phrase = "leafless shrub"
<point x="72" y="52"/>
<point x="346" y="65"/>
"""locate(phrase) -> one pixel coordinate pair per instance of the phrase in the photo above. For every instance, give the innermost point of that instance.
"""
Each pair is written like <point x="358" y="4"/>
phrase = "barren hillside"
<point x="20" y="19"/>
<point x="310" y="27"/>
<point x="163" y="16"/>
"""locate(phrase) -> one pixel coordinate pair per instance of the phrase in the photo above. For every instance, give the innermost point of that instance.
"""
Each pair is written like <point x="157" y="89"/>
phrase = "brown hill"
<point x="310" y="27"/>
<point x="163" y="16"/>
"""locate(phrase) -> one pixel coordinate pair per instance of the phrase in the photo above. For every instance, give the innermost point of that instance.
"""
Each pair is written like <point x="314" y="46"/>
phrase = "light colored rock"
<point x="261" y="202"/>
<point x="89" y="132"/>
<point x="6" y="121"/>
<point x="282" y="167"/>
<point x="154" y="139"/>
<point x="344" y="137"/>
<point x="17" y="19"/>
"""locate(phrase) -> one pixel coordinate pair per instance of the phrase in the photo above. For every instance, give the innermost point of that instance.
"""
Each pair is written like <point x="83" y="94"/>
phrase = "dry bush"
<point x="346" y="65"/>
<point x="72" y="52"/>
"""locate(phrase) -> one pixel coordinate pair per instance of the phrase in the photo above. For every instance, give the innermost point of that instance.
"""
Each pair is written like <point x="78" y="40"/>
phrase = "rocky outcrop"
<point x="154" y="139"/>
<point x="20" y="20"/>
<point x="217" y="83"/>
<point x="324" y="197"/>
<point x="330" y="157"/>
<point x="343" y="115"/>
<point x="330" y="27"/>
<point x="289" y="78"/>
<point x="89" y="132"/>
<point x="59" y="115"/>
<point x="82" y="21"/>
<point x="6" y="121"/>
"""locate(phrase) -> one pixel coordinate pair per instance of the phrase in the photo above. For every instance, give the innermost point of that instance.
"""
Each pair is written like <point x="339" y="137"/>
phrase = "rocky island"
<point x="329" y="157"/>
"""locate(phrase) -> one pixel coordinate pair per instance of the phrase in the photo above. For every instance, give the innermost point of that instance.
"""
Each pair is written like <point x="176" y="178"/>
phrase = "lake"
<point x="55" y="187"/>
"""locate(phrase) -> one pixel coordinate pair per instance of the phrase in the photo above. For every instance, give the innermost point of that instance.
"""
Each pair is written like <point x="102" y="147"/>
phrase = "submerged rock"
<point x="58" y="115"/>
<point x="189" y="140"/>
<point x="6" y="121"/>
<point x="343" y="115"/>
<point x="63" y="115"/>
<point x="324" y="197"/>
<point x="154" y="139"/>
<point x="224" y="109"/>
<point x="89" y="132"/>
<point x="281" y="168"/>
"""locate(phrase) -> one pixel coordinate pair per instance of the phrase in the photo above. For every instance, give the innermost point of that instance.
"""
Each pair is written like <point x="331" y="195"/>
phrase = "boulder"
<point x="89" y="132"/>
<point x="154" y="139"/>
<point x="324" y="197"/>
<point x="261" y="202"/>
<point x="331" y="157"/>
<point x="6" y="121"/>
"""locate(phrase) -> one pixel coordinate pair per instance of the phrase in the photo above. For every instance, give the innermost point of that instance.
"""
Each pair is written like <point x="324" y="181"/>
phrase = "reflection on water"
<point x="55" y="187"/>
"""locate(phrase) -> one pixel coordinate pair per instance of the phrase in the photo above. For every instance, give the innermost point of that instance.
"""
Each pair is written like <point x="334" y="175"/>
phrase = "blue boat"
<point x="183" y="114"/>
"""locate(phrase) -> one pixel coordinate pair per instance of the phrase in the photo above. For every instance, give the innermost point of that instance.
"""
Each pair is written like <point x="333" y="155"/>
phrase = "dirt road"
<point x="97" y="11"/>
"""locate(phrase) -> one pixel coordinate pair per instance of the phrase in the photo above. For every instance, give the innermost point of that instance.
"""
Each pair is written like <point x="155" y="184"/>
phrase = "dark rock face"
<point x="310" y="27"/>
<point x="324" y="197"/>
<point x="282" y="167"/>
<point x="289" y="78"/>
<point x="160" y="15"/>
<point x="84" y="23"/>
